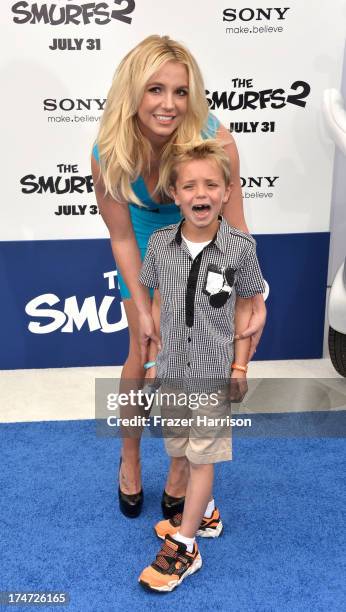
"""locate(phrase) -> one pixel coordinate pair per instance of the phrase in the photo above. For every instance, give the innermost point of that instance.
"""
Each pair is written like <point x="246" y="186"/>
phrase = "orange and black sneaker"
<point x="172" y="564"/>
<point x="209" y="527"/>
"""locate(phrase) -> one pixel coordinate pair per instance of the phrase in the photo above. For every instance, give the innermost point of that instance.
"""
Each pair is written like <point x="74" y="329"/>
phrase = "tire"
<point x="337" y="350"/>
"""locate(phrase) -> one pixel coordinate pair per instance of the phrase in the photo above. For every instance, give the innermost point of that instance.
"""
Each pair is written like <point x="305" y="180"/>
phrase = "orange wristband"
<point x="235" y="366"/>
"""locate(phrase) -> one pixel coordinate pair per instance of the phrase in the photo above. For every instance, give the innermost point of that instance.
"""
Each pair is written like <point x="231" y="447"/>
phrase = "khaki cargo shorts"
<point x="197" y="426"/>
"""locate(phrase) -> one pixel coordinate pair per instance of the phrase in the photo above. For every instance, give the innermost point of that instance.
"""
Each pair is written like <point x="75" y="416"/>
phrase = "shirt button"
<point x="189" y="339"/>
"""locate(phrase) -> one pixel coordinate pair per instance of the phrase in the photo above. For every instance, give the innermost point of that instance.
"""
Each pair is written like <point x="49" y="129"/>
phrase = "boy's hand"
<point x="238" y="386"/>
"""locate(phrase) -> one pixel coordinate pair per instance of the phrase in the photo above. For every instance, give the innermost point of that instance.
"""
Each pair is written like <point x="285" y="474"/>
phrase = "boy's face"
<point x="200" y="191"/>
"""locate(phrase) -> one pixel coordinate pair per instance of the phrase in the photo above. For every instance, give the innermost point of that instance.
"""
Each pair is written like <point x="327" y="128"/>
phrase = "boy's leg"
<point x="207" y="444"/>
<point x="175" y="561"/>
<point x="198" y="494"/>
<point x="179" y="556"/>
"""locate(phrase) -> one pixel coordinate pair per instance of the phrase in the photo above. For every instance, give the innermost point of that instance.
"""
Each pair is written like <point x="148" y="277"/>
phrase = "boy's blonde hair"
<point x="123" y="150"/>
<point x="207" y="149"/>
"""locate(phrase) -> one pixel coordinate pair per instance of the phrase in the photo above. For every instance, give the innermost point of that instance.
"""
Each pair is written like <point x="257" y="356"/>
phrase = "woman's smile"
<point x="164" y="118"/>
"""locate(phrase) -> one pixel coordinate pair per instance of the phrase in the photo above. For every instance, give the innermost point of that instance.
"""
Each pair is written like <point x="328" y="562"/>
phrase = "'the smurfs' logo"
<point x="72" y="317"/>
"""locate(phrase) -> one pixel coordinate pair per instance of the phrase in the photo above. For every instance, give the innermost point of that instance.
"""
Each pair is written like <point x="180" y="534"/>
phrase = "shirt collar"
<point x="220" y="238"/>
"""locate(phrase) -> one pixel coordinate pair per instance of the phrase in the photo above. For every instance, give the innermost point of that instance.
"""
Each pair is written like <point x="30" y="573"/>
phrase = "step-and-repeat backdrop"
<point x="265" y="66"/>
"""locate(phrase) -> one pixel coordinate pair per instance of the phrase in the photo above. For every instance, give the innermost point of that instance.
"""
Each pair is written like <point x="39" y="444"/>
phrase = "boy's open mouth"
<point x="201" y="207"/>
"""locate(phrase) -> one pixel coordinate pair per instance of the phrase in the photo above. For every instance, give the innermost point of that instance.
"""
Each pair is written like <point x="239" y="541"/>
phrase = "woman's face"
<point x="164" y="102"/>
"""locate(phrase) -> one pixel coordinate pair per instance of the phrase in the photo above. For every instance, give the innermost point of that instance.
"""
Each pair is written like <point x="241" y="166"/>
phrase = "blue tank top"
<point x="139" y="187"/>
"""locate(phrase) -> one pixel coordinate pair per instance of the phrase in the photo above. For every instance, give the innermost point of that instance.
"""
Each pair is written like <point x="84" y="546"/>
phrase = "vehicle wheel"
<point x="337" y="350"/>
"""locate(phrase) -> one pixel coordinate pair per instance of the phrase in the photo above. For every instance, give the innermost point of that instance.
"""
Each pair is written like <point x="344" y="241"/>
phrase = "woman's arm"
<point x="256" y="325"/>
<point x="116" y="216"/>
<point x="154" y="347"/>
<point x="242" y="315"/>
<point x="234" y="215"/>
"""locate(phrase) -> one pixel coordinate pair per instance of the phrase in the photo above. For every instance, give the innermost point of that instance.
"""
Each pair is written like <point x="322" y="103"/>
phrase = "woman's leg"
<point x="177" y="477"/>
<point x="130" y="473"/>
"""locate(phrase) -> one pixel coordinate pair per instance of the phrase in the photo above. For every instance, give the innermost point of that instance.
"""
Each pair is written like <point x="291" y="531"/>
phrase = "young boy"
<point x="204" y="273"/>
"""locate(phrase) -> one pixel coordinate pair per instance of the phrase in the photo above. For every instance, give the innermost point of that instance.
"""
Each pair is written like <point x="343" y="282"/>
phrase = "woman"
<point x="157" y="99"/>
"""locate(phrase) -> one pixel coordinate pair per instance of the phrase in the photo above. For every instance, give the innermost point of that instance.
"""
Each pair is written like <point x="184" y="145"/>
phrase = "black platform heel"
<point x="130" y="505"/>
<point x="171" y="505"/>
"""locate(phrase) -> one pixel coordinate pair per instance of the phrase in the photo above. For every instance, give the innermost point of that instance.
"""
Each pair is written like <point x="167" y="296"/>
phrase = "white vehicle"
<point x="335" y="115"/>
<point x="337" y="321"/>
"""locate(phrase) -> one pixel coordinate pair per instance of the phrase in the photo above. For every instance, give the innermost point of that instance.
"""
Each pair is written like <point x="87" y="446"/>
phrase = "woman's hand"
<point x="150" y="375"/>
<point x="238" y="386"/>
<point x="146" y="332"/>
<point x="256" y="324"/>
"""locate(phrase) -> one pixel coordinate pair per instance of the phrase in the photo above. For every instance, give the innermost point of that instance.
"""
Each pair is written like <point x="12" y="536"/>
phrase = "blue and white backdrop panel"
<point x="265" y="69"/>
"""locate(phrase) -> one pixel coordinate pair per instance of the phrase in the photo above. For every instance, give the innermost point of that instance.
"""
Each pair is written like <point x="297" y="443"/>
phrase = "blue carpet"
<point x="282" y="503"/>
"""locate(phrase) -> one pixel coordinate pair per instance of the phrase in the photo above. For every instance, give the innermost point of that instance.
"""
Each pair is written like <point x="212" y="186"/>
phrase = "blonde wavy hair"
<point x="123" y="150"/>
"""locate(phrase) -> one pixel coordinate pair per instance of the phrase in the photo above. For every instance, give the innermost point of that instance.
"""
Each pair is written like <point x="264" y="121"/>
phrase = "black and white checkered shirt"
<point x="197" y="337"/>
